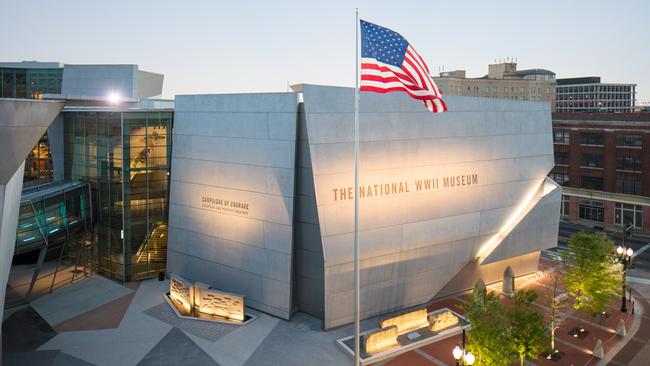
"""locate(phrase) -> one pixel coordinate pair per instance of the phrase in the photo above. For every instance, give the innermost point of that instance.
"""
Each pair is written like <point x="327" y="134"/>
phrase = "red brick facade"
<point x="608" y="126"/>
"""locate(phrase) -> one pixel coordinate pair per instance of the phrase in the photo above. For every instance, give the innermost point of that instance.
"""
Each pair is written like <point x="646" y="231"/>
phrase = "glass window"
<point x="561" y="137"/>
<point x="591" y="138"/>
<point x="591" y="161"/>
<point x="594" y="183"/>
<point x="561" y="158"/>
<point x="629" y="140"/>
<point x="628" y="186"/>
<point x="21" y="83"/>
<point x="8" y="84"/>
<point x="561" y="179"/>
<point x="38" y="164"/>
<point x="592" y="210"/>
<point x="625" y="215"/>
<point x="632" y="163"/>
<point x="565" y="206"/>
<point x="128" y="172"/>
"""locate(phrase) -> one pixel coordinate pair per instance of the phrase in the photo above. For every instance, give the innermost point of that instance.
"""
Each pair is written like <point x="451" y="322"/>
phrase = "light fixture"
<point x="469" y="358"/>
<point x="457" y="352"/>
<point x="629" y="252"/>
<point x="619" y="250"/>
<point x="114" y="98"/>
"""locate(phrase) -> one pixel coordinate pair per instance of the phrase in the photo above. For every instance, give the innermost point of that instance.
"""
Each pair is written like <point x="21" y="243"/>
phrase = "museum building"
<point x="253" y="193"/>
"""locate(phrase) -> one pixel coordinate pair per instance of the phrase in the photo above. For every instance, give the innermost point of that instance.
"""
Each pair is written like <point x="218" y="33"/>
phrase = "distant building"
<point x="643" y="107"/>
<point x="502" y="81"/>
<point x="602" y="160"/>
<point x="588" y="94"/>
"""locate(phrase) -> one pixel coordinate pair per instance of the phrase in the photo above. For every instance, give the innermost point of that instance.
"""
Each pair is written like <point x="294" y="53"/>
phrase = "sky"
<point x="217" y="46"/>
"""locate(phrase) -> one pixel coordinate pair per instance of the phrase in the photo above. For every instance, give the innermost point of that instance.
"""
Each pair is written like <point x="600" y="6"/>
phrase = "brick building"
<point x="602" y="160"/>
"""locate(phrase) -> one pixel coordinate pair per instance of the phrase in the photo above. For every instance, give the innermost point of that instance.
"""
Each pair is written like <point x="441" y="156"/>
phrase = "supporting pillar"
<point x="9" y="209"/>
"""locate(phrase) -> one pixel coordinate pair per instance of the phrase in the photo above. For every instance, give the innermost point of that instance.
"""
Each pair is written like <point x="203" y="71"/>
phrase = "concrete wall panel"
<point x="232" y="195"/>
<point x="414" y="241"/>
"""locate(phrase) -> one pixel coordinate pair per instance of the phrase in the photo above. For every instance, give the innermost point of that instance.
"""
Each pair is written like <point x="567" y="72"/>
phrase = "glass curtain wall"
<point x="29" y="83"/>
<point x="38" y="164"/>
<point x="58" y="214"/>
<point x="125" y="156"/>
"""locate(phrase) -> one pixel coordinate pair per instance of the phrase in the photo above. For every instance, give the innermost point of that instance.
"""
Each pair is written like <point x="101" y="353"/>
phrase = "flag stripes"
<point x="411" y="75"/>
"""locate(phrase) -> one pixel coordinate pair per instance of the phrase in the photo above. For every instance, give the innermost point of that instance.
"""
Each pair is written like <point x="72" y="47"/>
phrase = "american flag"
<point x="389" y="63"/>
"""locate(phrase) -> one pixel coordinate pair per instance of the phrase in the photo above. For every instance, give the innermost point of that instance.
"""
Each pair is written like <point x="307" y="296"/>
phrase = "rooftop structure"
<point x="502" y="81"/>
<point x="589" y="94"/>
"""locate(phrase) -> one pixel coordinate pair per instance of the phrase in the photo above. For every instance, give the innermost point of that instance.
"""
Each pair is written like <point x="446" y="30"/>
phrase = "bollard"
<point x="620" y="330"/>
<point x="598" y="351"/>
<point x="508" y="288"/>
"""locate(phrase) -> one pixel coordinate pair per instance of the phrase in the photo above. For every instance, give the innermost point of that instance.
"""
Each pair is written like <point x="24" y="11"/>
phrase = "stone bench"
<point x="381" y="339"/>
<point x="442" y="321"/>
<point x="418" y="328"/>
<point x="407" y="322"/>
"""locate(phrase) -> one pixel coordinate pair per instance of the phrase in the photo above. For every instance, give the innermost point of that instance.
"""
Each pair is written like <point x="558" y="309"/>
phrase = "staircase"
<point x="154" y="247"/>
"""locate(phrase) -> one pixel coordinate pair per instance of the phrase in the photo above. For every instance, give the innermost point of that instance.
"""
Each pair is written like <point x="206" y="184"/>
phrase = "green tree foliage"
<point x="557" y="301"/>
<point x="489" y="338"/>
<point x="526" y="326"/>
<point x="593" y="276"/>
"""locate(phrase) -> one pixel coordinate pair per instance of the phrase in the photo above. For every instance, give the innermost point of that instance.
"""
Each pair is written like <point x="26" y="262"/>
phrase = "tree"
<point x="557" y="302"/>
<point x="489" y="339"/>
<point x="592" y="273"/>
<point x="526" y="326"/>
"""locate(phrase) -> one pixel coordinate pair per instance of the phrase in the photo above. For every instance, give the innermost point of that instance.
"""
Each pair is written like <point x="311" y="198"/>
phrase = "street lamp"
<point x="469" y="358"/>
<point x="458" y="353"/>
<point x="625" y="257"/>
<point x="461" y="356"/>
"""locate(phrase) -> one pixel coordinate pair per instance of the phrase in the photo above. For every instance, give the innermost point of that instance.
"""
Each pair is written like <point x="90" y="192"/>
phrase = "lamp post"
<point x="625" y="257"/>
<point x="461" y="356"/>
<point x="457" y="352"/>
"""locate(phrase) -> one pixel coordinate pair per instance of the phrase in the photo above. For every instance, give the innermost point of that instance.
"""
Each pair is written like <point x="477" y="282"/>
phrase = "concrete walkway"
<point x="100" y="322"/>
<point x="96" y="321"/>
<point x="637" y="351"/>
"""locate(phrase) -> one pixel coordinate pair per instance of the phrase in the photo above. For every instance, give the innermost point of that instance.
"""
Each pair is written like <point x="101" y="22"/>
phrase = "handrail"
<point x="41" y="256"/>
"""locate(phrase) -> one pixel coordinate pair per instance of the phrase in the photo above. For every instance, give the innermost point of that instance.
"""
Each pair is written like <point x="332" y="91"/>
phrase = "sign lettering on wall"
<point x="223" y="205"/>
<point x="406" y="186"/>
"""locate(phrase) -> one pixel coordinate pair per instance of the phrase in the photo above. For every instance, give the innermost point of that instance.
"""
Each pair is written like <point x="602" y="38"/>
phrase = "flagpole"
<point x="357" y="296"/>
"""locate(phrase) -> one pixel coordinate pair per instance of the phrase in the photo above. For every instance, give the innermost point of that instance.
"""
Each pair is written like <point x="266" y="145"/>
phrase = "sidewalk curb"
<point x="631" y="333"/>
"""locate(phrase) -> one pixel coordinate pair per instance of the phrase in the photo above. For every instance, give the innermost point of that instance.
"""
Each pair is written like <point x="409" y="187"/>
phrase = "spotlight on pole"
<point x="114" y="98"/>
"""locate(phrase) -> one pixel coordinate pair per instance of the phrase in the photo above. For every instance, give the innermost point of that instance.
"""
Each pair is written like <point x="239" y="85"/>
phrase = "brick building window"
<point x="625" y="215"/>
<point x="561" y="137"/>
<point x="561" y="158"/>
<point x="561" y="179"/>
<point x="592" y="210"/>
<point x="628" y="186"/>
<point x="591" y="161"/>
<point x="595" y="183"/>
<point x="627" y="140"/>
<point x="565" y="206"/>
<point x="631" y="163"/>
<point x="591" y="138"/>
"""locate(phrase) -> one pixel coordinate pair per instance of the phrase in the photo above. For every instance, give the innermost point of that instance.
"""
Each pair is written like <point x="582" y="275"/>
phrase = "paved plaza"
<point x="96" y="321"/>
